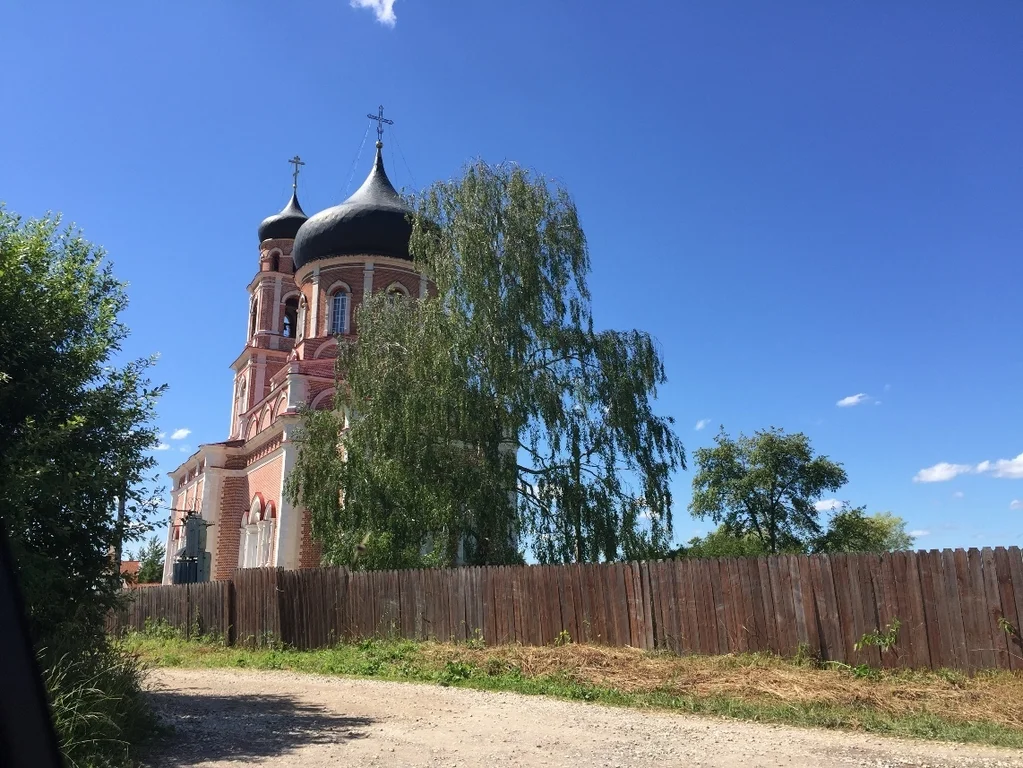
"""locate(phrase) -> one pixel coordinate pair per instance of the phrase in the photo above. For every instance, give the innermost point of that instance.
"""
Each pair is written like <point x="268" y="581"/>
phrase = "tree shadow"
<point x="199" y="727"/>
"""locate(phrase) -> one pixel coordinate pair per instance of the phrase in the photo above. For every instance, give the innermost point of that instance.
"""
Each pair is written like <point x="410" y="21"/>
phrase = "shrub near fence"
<point x="955" y="608"/>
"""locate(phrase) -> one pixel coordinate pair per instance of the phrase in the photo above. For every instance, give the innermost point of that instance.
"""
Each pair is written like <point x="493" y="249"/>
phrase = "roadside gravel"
<point x="226" y="718"/>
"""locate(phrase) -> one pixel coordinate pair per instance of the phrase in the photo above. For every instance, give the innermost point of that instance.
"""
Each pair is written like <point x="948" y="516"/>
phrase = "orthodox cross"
<point x="295" y="161"/>
<point x="379" y="117"/>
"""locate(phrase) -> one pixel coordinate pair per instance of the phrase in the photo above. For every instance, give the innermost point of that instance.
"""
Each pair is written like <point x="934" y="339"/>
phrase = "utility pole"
<point x="119" y="533"/>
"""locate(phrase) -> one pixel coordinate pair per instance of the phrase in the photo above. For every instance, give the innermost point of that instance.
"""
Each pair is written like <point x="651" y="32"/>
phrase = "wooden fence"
<point x="956" y="608"/>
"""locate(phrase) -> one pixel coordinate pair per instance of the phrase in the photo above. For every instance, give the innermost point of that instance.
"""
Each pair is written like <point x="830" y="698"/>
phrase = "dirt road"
<point x="285" y="720"/>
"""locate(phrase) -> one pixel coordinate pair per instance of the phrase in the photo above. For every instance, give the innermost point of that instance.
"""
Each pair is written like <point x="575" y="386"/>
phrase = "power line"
<point x="411" y="175"/>
<point x="355" y="163"/>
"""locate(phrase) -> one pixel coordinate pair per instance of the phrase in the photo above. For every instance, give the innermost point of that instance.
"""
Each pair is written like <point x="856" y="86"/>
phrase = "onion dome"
<point x="373" y="221"/>
<point x="283" y="225"/>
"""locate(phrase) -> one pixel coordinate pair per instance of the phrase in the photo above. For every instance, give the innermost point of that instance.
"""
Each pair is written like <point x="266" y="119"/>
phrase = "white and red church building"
<point x="312" y="274"/>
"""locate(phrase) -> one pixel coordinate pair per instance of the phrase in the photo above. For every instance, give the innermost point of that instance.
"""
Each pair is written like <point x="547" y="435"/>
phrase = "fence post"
<point x="230" y="636"/>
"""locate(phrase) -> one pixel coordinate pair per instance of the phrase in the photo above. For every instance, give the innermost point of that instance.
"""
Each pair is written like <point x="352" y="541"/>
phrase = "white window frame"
<point x="339" y="315"/>
<point x="302" y="304"/>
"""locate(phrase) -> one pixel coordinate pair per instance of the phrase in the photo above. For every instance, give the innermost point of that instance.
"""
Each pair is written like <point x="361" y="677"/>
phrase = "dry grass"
<point x="995" y="697"/>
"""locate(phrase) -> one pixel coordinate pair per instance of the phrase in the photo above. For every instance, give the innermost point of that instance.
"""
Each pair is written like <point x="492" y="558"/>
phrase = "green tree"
<point x="722" y="543"/>
<point x="150" y="558"/>
<point x="75" y="429"/>
<point x="494" y="408"/>
<point x="765" y="486"/>
<point x="851" y="529"/>
<point x="75" y="434"/>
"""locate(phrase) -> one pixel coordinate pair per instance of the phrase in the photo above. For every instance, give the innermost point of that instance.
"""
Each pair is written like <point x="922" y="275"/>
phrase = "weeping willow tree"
<point x="491" y="415"/>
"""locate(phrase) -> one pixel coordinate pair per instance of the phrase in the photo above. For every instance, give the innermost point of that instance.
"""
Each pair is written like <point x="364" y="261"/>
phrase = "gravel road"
<point x="281" y="719"/>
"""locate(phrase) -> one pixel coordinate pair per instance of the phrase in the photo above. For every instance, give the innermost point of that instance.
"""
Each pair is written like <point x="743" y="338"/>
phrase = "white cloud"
<point x="161" y="447"/>
<point x="1016" y="504"/>
<point x="701" y="424"/>
<point x="857" y="399"/>
<point x="827" y="505"/>
<point x="941" y="472"/>
<point x="382" y="9"/>
<point x="1008" y="468"/>
<point x="184" y="449"/>
<point x="918" y="533"/>
<point x="180" y="434"/>
<point x="958" y="494"/>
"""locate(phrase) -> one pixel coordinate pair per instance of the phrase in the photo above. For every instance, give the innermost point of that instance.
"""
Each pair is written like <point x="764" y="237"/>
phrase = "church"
<point x="311" y="275"/>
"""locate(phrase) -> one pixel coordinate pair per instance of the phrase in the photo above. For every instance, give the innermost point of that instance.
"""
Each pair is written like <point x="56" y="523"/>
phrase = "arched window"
<point x="397" y="291"/>
<point x="339" y="312"/>
<point x="290" y="317"/>
<point x="301" y="318"/>
<point x="253" y="308"/>
<point x="275" y="263"/>
<point x="255" y="544"/>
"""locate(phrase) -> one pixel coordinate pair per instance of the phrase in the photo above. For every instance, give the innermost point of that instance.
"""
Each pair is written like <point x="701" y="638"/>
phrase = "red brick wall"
<point x="234" y="505"/>
<point x="234" y="502"/>
<point x="309" y="550"/>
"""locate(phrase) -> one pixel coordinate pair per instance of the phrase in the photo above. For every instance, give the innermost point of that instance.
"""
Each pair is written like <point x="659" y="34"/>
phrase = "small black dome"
<point x="373" y="221"/>
<point x="284" y="224"/>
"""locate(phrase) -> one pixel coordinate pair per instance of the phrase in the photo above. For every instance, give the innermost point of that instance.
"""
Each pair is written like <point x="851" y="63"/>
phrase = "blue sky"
<point x="804" y="202"/>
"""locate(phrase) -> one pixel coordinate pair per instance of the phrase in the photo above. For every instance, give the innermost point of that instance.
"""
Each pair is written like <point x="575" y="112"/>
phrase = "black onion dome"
<point x="284" y="224"/>
<point x="373" y="221"/>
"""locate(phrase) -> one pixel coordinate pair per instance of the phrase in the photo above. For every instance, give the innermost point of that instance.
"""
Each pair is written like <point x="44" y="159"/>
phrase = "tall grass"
<point x="97" y="703"/>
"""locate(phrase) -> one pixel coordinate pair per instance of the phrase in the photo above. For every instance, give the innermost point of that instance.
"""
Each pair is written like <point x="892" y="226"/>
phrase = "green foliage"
<point x="886" y="640"/>
<point x="765" y="486"/>
<point x="97" y="705"/>
<point x="722" y="543"/>
<point x="75" y="435"/>
<point x="74" y="428"/>
<point x="150" y="558"/>
<point x="492" y="412"/>
<point x="853" y="530"/>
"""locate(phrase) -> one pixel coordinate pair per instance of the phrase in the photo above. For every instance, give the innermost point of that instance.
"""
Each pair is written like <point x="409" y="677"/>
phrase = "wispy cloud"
<point x="958" y="494"/>
<point x="827" y="505"/>
<point x="382" y="9"/>
<point x="1016" y="504"/>
<point x="161" y="447"/>
<point x="701" y="424"/>
<point x="1011" y="469"/>
<point x="887" y="387"/>
<point x="941" y="472"/>
<point x="180" y="434"/>
<point x="857" y="399"/>
<point x="185" y="449"/>
<point x="919" y="532"/>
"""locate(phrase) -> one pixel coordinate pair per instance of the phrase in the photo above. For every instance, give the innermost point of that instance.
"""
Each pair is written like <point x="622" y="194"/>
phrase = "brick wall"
<point x="309" y="550"/>
<point x="234" y="505"/>
<point x="234" y="502"/>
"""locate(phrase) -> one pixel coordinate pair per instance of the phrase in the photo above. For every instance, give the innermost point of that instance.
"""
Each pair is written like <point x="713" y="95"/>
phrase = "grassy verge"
<point x="945" y="705"/>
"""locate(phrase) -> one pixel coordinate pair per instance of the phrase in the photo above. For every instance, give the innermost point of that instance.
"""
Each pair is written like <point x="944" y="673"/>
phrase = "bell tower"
<point x="273" y="311"/>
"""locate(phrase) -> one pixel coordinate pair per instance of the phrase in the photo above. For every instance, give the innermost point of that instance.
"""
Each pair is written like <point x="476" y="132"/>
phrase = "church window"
<point x="290" y="317"/>
<point x="255" y="545"/>
<point x="339" y="313"/>
<point x="253" y="309"/>
<point x="275" y="263"/>
<point x="301" y="318"/>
